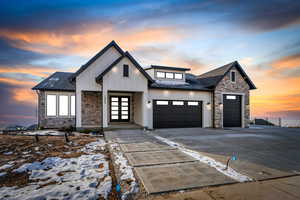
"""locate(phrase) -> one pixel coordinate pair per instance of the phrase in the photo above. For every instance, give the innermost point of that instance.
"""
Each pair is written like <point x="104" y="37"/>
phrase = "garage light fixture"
<point x="221" y="105"/>
<point x="208" y="106"/>
<point x="148" y="104"/>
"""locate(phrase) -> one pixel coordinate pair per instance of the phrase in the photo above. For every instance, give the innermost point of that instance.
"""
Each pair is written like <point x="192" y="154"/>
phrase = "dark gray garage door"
<point x="232" y="110"/>
<point x="177" y="114"/>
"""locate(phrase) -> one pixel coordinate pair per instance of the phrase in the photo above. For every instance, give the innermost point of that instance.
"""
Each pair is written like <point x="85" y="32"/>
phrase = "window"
<point x="160" y="74"/>
<point x="169" y="75"/>
<point x="51" y="105"/>
<point x="178" y="76"/>
<point x="125" y="70"/>
<point x="193" y="103"/>
<point x="161" y="102"/>
<point x="230" y="97"/>
<point x="73" y="105"/>
<point x="232" y="76"/>
<point x="177" y="103"/>
<point x="63" y="105"/>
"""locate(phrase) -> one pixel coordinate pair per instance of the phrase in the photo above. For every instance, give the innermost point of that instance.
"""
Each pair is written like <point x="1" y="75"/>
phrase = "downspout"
<point x="101" y="128"/>
<point x="37" y="108"/>
<point x="213" y="109"/>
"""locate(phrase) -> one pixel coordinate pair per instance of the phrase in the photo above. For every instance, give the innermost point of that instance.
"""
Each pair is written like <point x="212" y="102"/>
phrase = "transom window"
<point x="178" y="76"/>
<point x="169" y="75"/>
<point x="161" y="102"/>
<point x="160" y="75"/>
<point x="178" y="103"/>
<point x="193" y="103"/>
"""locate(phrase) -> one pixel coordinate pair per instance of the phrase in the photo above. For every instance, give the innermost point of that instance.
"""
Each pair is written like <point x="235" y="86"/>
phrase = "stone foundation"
<point x="91" y="104"/>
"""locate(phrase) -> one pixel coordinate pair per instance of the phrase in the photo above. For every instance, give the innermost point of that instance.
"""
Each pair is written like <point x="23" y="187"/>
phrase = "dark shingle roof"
<point x="192" y="83"/>
<point x="168" y="68"/>
<point x="59" y="81"/>
<point x="212" y="78"/>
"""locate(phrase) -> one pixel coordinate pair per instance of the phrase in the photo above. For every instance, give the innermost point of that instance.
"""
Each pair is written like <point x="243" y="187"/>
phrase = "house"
<point x="112" y="88"/>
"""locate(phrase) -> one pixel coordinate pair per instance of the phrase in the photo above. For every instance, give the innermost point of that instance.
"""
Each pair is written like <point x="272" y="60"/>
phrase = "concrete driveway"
<point x="262" y="152"/>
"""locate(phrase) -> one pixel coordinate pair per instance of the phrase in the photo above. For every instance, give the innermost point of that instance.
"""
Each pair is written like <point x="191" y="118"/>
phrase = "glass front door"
<point x="119" y="109"/>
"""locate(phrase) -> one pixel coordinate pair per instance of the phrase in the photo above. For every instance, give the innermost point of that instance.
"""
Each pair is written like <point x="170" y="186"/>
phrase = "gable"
<point x="98" y="55"/>
<point x="212" y="78"/>
<point x="240" y="84"/>
<point x="114" y="79"/>
<point x="85" y="80"/>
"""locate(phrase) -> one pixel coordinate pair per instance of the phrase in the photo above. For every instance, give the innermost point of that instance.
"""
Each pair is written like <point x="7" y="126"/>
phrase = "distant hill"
<point x="263" y="122"/>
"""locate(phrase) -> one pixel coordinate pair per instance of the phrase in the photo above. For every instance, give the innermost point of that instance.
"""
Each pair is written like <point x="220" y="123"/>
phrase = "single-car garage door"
<point x="177" y="114"/>
<point x="232" y="106"/>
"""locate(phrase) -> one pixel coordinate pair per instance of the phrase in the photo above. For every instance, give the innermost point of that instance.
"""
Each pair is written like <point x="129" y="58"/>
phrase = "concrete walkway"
<point x="162" y="168"/>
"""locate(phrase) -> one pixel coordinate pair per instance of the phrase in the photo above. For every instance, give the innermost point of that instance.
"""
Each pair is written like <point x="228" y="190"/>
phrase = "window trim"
<point x="125" y="70"/>
<point x="57" y="94"/>
<point x="233" y="72"/>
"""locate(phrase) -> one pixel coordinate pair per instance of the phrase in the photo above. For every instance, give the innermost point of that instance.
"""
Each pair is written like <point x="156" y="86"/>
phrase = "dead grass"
<point x="26" y="150"/>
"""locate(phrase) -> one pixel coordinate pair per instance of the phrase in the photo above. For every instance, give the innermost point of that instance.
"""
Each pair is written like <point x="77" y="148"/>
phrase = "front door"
<point x="119" y="109"/>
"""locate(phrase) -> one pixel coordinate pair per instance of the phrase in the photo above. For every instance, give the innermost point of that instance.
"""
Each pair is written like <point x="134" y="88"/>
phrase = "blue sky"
<point x="38" y="38"/>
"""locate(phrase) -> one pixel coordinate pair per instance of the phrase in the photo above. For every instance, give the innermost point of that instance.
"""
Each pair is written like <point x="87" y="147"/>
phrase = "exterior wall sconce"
<point x="208" y="106"/>
<point x="166" y="93"/>
<point x="114" y="69"/>
<point x="221" y="105"/>
<point x="149" y="104"/>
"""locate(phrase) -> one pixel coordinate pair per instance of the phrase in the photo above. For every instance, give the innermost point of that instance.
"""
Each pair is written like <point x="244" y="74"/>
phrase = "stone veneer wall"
<point x="91" y="104"/>
<point x="51" y="122"/>
<point x="225" y="85"/>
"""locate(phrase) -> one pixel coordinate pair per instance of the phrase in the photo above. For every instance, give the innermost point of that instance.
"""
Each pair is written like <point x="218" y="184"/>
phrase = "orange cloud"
<point x="287" y="62"/>
<point x="12" y="81"/>
<point x="24" y="95"/>
<point x="89" y="41"/>
<point x="42" y="72"/>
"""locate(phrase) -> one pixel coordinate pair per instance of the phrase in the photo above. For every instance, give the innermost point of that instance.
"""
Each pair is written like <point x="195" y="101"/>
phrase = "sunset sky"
<point x="38" y="38"/>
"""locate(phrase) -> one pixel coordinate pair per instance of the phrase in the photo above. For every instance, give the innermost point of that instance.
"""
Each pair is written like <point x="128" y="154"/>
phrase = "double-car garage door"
<point x="177" y="114"/>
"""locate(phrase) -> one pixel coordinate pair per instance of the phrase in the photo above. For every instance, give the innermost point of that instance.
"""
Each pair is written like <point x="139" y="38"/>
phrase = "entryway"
<point x="119" y="108"/>
<point x="232" y="110"/>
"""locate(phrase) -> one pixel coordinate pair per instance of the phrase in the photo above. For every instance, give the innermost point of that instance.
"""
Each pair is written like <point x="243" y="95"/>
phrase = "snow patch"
<point x="99" y="145"/>
<point x="84" y="177"/>
<point x="8" y="153"/>
<point x="2" y="174"/>
<point x="207" y="160"/>
<point x="44" y="132"/>
<point x="125" y="170"/>
<point x="6" y="166"/>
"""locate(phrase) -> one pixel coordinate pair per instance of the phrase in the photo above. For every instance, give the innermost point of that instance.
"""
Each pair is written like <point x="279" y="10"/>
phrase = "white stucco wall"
<point x="206" y="97"/>
<point x="85" y="81"/>
<point x="115" y="81"/>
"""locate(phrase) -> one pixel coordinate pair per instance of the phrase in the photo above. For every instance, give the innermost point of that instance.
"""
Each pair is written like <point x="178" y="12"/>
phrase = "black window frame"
<point x="233" y="76"/>
<point x="125" y="70"/>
